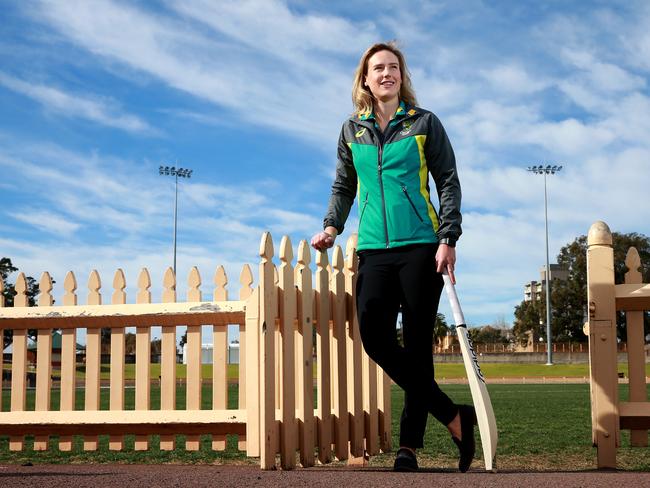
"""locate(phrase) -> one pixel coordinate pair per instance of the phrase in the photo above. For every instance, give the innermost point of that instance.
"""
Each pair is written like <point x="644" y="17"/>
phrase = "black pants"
<point x="407" y="276"/>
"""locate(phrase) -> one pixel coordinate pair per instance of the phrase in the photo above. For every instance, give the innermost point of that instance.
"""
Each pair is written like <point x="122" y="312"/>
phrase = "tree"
<point x="156" y="347"/>
<point x="440" y="330"/>
<point x="7" y="268"/>
<point x="488" y="335"/>
<point x="129" y="343"/>
<point x="569" y="297"/>
<point x="527" y="318"/>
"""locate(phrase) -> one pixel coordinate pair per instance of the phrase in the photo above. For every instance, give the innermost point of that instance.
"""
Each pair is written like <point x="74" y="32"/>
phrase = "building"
<point x="557" y="273"/>
<point x="206" y="353"/>
<point x="533" y="290"/>
<point x="55" y="353"/>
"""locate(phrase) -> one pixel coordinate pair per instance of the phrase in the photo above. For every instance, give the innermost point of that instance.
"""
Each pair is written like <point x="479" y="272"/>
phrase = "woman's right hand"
<point x="322" y="241"/>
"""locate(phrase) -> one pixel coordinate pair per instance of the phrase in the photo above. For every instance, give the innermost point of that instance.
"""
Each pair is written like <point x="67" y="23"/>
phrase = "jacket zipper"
<point x="412" y="204"/>
<point x="363" y="209"/>
<point x="381" y="185"/>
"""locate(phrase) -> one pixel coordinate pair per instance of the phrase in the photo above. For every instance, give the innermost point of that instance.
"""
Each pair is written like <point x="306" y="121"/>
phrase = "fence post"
<point x="117" y="358"/>
<point x="168" y="360"/>
<point x="43" y="360"/>
<point x="68" y="359"/>
<point x="323" y="357"/>
<point x="251" y="360"/>
<point x="268" y="431"/>
<point x="19" y="363"/>
<point x="245" y="291"/>
<point x="93" y="358"/>
<point x="2" y="332"/>
<point x="305" y="356"/>
<point x="143" y="358"/>
<point x="287" y="296"/>
<point x="602" y="343"/>
<point x="219" y="353"/>
<point x="356" y="385"/>
<point x="339" y="361"/>
<point x="194" y="359"/>
<point x="635" y="347"/>
<point x="385" y="414"/>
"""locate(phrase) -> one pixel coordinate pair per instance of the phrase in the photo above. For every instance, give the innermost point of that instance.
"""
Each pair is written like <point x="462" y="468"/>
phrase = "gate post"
<point x="602" y="344"/>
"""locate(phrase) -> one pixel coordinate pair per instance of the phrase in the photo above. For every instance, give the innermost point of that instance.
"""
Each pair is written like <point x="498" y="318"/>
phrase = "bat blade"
<point x="480" y="396"/>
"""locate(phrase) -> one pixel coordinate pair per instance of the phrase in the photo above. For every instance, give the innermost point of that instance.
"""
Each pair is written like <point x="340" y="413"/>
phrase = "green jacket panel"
<point x="389" y="172"/>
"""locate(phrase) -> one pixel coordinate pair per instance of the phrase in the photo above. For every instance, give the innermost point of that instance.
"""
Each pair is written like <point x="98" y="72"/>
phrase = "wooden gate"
<point x="299" y="343"/>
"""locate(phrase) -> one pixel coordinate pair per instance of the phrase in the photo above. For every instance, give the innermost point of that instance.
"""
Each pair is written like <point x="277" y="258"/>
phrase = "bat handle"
<point x="459" y="318"/>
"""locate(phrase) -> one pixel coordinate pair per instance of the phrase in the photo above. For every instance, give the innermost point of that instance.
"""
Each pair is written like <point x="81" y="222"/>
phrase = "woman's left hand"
<point x="446" y="260"/>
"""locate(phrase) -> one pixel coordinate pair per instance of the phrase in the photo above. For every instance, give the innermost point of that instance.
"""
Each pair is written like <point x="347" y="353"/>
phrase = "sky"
<point x="96" y="95"/>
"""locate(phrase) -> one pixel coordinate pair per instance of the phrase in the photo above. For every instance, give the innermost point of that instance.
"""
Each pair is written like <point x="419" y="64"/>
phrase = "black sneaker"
<point x="405" y="461"/>
<point x="466" y="446"/>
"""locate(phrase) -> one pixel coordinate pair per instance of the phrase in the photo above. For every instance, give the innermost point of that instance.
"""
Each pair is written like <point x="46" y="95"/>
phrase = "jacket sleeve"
<point x="343" y="189"/>
<point x="442" y="166"/>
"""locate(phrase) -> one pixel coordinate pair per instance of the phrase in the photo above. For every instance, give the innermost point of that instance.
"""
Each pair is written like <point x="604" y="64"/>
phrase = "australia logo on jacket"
<point x="407" y="125"/>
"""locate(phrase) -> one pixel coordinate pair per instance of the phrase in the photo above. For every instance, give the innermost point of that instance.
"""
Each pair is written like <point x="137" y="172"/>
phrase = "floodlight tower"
<point x="176" y="173"/>
<point x="547" y="170"/>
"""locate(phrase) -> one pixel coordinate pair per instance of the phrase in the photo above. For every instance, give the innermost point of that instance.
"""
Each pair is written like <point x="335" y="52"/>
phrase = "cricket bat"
<point x="487" y="424"/>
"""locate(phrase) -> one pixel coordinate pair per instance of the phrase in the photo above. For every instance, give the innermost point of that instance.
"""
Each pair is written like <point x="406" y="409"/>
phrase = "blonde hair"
<point x="362" y="98"/>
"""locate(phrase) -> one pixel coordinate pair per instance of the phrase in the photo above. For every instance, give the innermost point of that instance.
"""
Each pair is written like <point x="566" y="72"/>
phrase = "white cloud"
<point x="286" y="222"/>
<point x="566" y="89"/>
<point x="603" y="76"/>
<point x="103" y="192"/>
<point x="500" y="126"/>
<point x="47" y="221"/>
<point x="232" y="71"/>
<point x="278" y="30"/>
<point x="100" y="110"/>
<point x="513" y="79"/>
<point x="440" y="92"/>
<point x="113" y="208"/>
<point x="568" y="137"/>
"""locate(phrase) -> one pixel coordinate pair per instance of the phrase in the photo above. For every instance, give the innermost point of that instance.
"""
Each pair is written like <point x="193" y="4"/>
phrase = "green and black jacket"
<point x="389" y="172"/>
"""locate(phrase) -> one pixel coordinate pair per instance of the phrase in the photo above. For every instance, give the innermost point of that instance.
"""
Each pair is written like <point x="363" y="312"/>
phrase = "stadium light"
<point x="547" y="170"/>
<point x="176" y="173"/>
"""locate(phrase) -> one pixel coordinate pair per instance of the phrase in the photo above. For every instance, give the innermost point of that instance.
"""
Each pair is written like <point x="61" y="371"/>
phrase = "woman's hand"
<point x="446" y="260"/>
<point x="324" y="239"/>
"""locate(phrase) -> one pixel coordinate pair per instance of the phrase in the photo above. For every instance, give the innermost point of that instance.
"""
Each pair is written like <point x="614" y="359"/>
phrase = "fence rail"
<point x="291" y="324"/>
<point x="503" y="348"/>
<point x="500" y="348"/>
<point x="605" y="298"/>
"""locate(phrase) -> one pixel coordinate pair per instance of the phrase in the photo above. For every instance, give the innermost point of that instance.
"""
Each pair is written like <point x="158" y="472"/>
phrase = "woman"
<point x="386" y="151"/>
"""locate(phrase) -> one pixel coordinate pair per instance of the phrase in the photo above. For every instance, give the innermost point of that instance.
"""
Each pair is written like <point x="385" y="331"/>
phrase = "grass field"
<point x="443" y="370"/>
<point x="524" y="370"/>
<point x="541" y="427"/>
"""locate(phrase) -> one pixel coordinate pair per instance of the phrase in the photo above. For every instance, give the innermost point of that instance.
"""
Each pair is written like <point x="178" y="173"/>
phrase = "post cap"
<point x="599" y="234"/>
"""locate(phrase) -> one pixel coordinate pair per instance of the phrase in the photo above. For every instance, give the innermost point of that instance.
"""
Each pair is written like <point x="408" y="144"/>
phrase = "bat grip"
<point x="459" y="318"/>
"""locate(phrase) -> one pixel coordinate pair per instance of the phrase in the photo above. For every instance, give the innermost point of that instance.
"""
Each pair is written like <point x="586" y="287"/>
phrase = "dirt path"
<point x="144" y="476"/>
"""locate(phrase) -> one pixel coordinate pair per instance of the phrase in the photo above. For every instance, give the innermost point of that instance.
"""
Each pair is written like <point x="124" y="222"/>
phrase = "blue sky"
<point x="96" y="95"/>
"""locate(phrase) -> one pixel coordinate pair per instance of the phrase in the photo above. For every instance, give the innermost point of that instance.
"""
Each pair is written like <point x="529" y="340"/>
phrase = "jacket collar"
<point x="367" y="119"/>
<point x="400" y="112"/>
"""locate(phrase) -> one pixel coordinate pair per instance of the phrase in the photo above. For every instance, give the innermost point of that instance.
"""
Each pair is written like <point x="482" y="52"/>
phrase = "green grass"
<point x="523" y="370"/>
<point x="129" y="371"/>
<point x="545" y="427"/>
<point x="181" y="371"/>
<point x="103" y="455"/>
<point x="443" y="370"/>
<point x="541" y="427"/>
